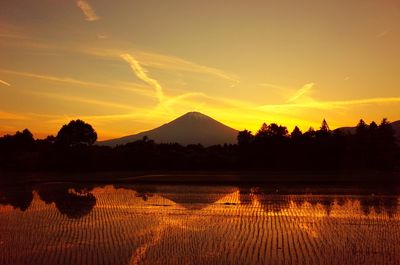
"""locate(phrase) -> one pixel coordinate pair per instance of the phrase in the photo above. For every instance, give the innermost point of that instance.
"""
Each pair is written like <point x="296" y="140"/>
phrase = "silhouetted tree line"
<point x="271" y="148"/>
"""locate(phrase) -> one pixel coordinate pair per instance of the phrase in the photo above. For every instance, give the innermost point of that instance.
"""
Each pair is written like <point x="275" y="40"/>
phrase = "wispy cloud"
<point x="24" y="38"/>
<point x="302" y="100"/>
<point x="11" y="31"/>
<point x="160" y="61"/>
<point x="83" y="100"/>
<point x="4" y="83"/>
<point x="176" y="99"/>
<point x="314" y="104"/>
<point x="382" y="33"/>
<point x="141" y="73"/>
<point x="49" y="77"/>
<point x="131" y="87"/>
<point x="364" y="101"/>
<point x="11" y="116"/>
<point x="102" y="36"/>
<point x="87" y="10"/>
<point x="167" y="62"/>
<point x="272" y="86"/>
<point x="301" y="92"/>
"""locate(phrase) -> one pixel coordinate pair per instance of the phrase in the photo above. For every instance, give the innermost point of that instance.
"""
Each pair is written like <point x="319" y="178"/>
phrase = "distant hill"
<point x="191" y="128"/>
<point x="396" y="127"/>
<point x="352" y="130"/>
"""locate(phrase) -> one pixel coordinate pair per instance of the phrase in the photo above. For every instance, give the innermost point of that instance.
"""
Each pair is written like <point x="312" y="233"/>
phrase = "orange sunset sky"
<point x="131" y="65"/>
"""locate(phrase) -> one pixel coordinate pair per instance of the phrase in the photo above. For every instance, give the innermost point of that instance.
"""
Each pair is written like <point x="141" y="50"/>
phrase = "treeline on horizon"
<point x="272" y="147"/>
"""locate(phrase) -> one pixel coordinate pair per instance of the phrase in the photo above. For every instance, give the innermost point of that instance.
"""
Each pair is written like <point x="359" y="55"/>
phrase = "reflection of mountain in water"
<point x="76" y="201"/>
<point x="189" y="197"/>
<point x="193" y="201"/>
<point x="142" y="191"/>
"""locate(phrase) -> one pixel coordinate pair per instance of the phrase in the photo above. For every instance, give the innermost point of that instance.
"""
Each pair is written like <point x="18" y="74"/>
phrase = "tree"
<point x="296" y="133"/>
<point x="387" y="135"/>
<point x="324" y="130"/>
<point x="245" y="138"/>
<point x="263" y="131"/>
<point x="24" y="139"/>
<point x="373" y="126"/>
<point x="310" y="133"/>
<point x="362" y="146"/>
<point x="362" y="127"/>
<point x="271" y="130"/>
<point x="278" y="131"/>
<point x="19" y="141"/>
<point x="76" y="133"/>
<point x="324" y="126"/>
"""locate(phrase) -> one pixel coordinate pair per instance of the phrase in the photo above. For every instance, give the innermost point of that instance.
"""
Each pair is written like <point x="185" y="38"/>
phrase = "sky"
<point x="126" y="66"/>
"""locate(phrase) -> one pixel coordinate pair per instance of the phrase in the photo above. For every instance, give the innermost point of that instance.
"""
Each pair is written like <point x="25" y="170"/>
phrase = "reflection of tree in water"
<point x="20" y="198"/>
<point x="341" y="201"/>
<point x="271" y="201"/>
<point x="274" y="203"/>
<point x="380" y="204"/>
<point x="366" y="204"/>
<point x="299" y="200"/>
<point x="245" y="195"/>
<point x="74" y="202"/>
<point x="327" y="203"/>
<point x="390" y="205"/>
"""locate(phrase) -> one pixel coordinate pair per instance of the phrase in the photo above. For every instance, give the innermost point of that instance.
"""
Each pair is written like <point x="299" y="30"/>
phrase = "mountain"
<point x="395" y="126"/>
<point x="191" y="128"/>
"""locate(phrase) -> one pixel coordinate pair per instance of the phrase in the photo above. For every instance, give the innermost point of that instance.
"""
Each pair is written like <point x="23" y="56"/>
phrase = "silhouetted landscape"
<point x="188" y="132"/>
<point x="368" y="147"/>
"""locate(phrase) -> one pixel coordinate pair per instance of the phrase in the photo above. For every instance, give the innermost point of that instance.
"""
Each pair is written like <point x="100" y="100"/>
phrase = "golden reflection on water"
<point x="196" y="225"/>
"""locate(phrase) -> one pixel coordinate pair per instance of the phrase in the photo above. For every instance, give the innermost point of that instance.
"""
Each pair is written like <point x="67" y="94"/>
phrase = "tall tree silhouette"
<point x="75" y="133"/>
<point x="296" y="133"/>
<point x="324" y="126"/>
<point x="362" y="127"/>
<point x="324" y="130"/>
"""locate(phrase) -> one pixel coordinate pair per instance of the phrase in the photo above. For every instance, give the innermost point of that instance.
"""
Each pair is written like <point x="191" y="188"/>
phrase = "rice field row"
<point x="202" y="225"/>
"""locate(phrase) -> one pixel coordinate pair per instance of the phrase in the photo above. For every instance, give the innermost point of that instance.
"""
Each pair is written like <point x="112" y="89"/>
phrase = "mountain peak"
<point x="190" y="128"/>
<point x="195" y="115"/>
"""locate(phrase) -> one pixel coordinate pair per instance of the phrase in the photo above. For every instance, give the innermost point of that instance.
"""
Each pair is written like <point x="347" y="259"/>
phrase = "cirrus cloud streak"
<point x="4" y="83"/>
<point x="87" y="10"/>
<point x="141" y="73"/>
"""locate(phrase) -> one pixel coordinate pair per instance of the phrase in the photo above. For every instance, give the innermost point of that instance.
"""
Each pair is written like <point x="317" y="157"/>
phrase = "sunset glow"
<point x="129" y="66"/>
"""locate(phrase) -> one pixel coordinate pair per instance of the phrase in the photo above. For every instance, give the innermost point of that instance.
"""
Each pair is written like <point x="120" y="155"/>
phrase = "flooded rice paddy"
<point x="167" y="224"/>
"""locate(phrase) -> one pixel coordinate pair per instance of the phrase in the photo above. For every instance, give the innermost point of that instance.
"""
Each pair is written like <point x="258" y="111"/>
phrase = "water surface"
<point x="167" y="224"/>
